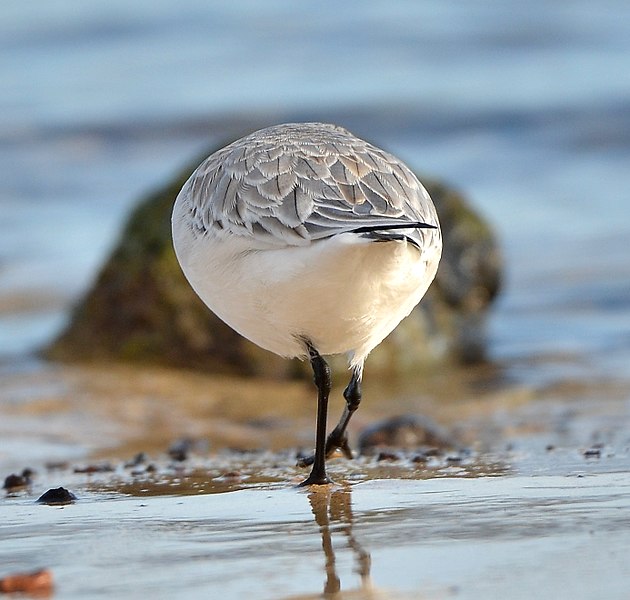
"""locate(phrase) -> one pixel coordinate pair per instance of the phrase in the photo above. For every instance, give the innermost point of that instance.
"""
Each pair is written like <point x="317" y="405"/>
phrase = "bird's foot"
<point x="333" y="443"/>
<point x="315" y="479"/>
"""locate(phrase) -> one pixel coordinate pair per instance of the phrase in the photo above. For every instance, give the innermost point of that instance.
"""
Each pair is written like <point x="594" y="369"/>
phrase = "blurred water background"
<point x="523" y="106"/>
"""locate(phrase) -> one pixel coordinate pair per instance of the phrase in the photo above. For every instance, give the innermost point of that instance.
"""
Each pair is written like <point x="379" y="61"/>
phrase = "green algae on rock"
<point x="141" y="308"/>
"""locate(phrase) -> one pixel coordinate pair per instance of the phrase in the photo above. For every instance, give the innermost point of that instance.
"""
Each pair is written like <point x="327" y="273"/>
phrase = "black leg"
<point x="338" y="438"/>
<point x="321" y="372"/>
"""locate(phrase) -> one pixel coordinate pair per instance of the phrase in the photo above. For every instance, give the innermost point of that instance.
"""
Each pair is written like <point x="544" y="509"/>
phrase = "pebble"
<point x="38" y="583"/>
<point x="406" y="432"/>
<point x="57" y="496"/>
<point x="15" y="482"/>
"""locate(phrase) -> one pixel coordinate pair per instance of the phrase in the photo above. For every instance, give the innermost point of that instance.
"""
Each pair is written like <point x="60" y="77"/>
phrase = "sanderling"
<point x="308" y="241"/>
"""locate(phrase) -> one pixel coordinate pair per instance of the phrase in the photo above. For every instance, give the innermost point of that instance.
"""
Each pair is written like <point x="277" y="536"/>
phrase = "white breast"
<point x="344" y="294"/>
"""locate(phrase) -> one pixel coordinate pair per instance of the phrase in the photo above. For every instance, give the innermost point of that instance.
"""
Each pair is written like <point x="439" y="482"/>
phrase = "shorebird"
<point x="308" y="241"/>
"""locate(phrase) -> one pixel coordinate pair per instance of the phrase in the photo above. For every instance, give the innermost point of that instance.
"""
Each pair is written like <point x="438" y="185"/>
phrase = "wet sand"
<point x="555" y="536"/>
<point x="533" y="498"/>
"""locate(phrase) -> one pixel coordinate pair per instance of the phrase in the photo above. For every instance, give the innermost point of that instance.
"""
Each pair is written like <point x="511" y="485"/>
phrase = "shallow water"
<point x="563" y="536"/>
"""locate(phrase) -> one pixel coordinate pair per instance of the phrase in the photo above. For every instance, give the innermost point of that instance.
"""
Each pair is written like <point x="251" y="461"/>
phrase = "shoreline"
<point x="113" y="411"/>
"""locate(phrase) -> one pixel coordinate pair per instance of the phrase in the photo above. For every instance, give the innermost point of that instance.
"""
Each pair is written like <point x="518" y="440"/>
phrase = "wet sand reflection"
<point x="332" y="509"/>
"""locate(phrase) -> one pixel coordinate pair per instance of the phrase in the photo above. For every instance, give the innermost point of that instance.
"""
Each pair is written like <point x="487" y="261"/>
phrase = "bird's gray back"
<point x="297" y="182"/>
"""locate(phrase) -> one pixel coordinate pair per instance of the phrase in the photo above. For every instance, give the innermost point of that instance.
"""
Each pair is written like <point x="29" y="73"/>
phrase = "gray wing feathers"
<point x="293" y="183"/>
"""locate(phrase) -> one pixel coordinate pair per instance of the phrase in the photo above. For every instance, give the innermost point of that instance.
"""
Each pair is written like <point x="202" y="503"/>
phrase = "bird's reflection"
<point x="332" y="509"/>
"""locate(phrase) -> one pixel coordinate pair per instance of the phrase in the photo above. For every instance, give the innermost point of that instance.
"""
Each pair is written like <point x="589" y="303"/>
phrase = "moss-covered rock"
<point x="141" y="308"/>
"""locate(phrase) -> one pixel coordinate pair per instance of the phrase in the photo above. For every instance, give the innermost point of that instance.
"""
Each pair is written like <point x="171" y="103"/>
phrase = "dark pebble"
<point x="57" y="466"/>
<point x="28" y="474"/>
<point x="55" y="496"/>
<point x="303" y="460"/>
<point x="433" y="452"/>
<point x="104" y="468"/>
<point x="15" y="482"/>
<point x="407" y="432"/>
<point x="593" y="453"/>
<point x="387" y="456"/>
<point x="181" y="449"/>
<point x="180" y="453"/>
<point x="453" y="460"/>
<point x="242" y="450"/>
<point x="231" y="475"/>
<point x="420" y="459"/>
<point x="139" y="459"/>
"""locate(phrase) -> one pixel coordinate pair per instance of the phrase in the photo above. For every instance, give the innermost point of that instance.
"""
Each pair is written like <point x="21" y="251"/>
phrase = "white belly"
<point x="344" y="294"/>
